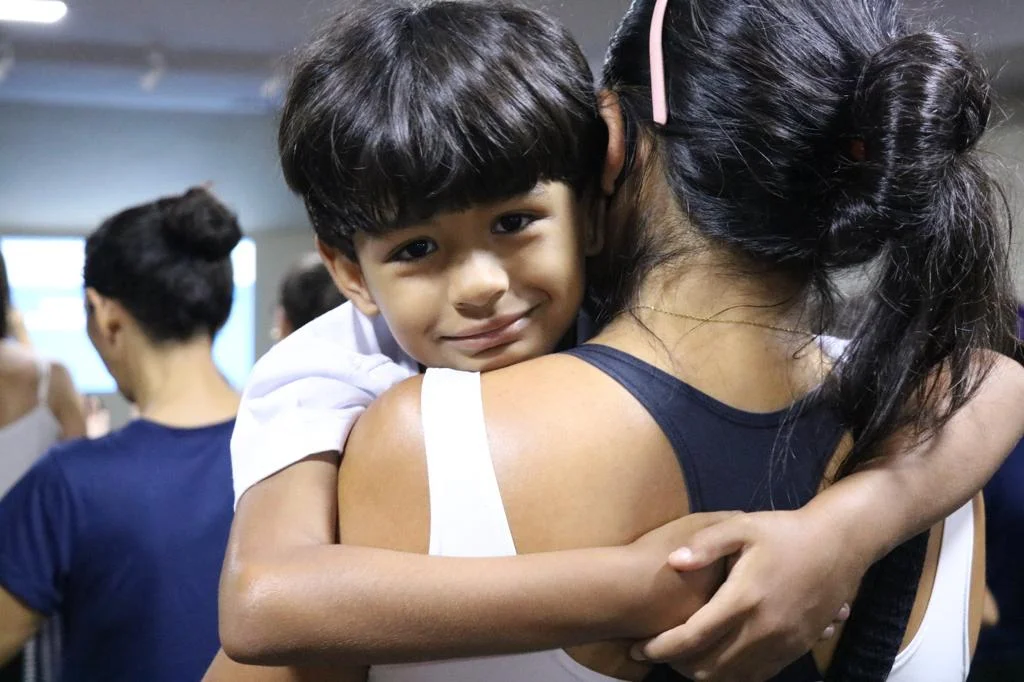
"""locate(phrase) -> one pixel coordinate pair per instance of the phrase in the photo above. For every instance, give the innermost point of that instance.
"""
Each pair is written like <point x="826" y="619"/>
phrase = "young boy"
<point x="454" y="209"/>
<point x="448" y="154"/>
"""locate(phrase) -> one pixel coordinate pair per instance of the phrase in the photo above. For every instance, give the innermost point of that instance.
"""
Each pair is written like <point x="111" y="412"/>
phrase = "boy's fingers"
<point x="712" y="623"/>
<point x="711" y="544"/>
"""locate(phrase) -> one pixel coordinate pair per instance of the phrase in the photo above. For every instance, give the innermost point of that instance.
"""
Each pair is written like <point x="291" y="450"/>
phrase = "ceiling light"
<point x="34" y="11"/>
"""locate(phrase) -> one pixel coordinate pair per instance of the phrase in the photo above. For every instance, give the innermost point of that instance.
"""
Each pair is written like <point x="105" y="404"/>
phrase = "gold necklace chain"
<point x="714" y="320"/>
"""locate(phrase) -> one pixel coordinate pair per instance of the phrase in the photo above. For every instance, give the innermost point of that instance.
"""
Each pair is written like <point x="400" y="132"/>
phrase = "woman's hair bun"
<point x="198" y="224"/>
<point x="921" y="104"/>
<point x="925" y="89"/>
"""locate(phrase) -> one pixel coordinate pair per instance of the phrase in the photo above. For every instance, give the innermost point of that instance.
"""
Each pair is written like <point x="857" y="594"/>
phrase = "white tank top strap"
<point x="940" y="651"/>
<point x="24" y="441"/>
<point x="467" y="515"/>
<point x="44" y="381"/>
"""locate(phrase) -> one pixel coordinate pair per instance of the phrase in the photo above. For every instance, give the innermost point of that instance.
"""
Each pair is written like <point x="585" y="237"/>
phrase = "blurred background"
<point x="122" y="101"/>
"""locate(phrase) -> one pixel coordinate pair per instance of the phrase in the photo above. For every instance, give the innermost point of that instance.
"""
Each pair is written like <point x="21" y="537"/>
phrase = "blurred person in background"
<point x="306" y="293"/>
<point x="38" y="401"/>
<point x="123" y="536"/>
<point x="38" y="407"/>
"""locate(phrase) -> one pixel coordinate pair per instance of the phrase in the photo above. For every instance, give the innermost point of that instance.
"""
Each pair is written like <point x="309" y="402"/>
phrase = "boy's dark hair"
<point x="168" y="263"/>
<point x="398" y="111"/>
<point x="307" y="291"/>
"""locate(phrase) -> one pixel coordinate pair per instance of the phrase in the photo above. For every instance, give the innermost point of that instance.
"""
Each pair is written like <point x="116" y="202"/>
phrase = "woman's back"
<point x="123" y="536"/>
<point x="583" y="464"/>
<point x="587" y="463"/>
<point x="139" y="520"/>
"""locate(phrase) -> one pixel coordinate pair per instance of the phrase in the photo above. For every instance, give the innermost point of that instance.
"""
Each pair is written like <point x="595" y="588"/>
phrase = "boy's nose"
<point x="479" y="284"/>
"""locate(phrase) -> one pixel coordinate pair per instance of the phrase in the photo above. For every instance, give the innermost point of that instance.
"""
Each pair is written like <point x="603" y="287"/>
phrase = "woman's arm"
<point x="771" y="607"/>
<point x="65" y="403"/>
<point x="17" y="625"/>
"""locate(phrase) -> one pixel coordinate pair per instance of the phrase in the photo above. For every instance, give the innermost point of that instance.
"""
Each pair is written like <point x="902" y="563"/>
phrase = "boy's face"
<point x="479" y="289"/>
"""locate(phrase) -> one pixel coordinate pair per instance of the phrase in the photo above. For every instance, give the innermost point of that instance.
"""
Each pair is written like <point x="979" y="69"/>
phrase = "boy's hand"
<point x="789" y="579"/>
<point x="661" y="597"/>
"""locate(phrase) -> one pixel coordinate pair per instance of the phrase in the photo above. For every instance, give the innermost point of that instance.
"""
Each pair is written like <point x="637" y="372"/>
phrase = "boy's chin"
<point x="498" y="359"/>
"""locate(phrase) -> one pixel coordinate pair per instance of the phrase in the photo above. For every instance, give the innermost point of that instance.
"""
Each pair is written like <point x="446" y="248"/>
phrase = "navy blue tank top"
<point x="731" y="459"/>
<point x="736" y="460"/>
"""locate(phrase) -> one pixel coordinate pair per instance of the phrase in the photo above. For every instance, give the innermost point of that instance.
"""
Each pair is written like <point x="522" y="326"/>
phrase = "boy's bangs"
<point x="473" y="104"/>
<point x="499" y="150"/>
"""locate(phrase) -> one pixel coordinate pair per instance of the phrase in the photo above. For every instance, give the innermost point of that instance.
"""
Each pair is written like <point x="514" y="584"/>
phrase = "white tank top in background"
<point x="22" y="443"/>
<point x="467" y="519"/>
<point x="26" y="439"/>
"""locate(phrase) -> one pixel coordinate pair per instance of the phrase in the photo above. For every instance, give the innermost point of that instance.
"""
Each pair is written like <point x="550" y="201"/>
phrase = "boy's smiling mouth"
<point x="498" y="331"/>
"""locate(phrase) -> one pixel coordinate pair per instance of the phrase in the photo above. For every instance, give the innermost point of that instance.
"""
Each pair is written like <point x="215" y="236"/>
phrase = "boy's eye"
<point x="513" y="223"/>
<point x="415" y="250"/>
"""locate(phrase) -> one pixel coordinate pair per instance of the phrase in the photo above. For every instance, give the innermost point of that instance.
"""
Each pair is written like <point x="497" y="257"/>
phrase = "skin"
<point x="175" y="384"/>
<point x="478" y="289"/>
<point x="19" y="390"/>
<point x="277" y="607"/>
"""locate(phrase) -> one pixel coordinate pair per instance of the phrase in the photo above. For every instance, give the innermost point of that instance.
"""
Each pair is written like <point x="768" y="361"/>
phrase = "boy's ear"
<point x="348" y="277"/>
<point x="615" y="158"/>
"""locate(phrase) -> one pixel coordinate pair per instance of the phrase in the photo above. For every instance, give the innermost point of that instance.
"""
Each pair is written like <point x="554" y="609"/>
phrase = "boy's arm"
<point x="845" y="529"/>
<point x="289" y="597"/>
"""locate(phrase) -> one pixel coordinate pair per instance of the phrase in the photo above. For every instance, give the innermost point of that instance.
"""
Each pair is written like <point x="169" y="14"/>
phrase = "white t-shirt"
<point x="305" y="394"/>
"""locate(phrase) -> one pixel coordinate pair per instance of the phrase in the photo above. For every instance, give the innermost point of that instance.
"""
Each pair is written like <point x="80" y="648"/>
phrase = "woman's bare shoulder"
<point x="580" y="461"/>
<point x="383" y="499"/>
<point x="390" y="428"/>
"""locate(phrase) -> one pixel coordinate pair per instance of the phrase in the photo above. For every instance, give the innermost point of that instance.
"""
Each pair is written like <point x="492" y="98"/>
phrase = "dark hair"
<point x="168" y="263"/>
<point x="5" y="299"/>
<point x="400" y="110"/>
<point x="307" y="291"/>
<point x="812" y="136"/>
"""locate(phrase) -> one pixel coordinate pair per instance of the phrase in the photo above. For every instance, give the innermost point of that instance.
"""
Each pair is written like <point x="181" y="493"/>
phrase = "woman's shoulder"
<point x="555" y="389"/>
<point x="389" y="434"/>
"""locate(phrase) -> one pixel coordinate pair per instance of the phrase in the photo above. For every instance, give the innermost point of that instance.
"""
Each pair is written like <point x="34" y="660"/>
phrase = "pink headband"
<point x="659" y="100"/>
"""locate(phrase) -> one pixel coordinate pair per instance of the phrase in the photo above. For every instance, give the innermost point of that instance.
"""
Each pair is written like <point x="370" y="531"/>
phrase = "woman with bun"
<point x="756" y="151"/>
<point x="123" y="536"/>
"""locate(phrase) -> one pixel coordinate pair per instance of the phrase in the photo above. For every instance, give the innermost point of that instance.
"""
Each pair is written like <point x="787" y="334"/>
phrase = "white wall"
<point x="276" y="251"/>
<point x="66" y="168"/>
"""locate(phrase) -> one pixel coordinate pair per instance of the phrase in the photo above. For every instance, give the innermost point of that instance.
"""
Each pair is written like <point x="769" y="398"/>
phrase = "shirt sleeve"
<point x="306" y="393"/>
<point x="37" y="527"/>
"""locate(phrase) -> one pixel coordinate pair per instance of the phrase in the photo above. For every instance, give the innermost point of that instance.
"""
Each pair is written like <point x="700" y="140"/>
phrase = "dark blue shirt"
<point x="1004" y="517"/>
<point x="124" y="537"/>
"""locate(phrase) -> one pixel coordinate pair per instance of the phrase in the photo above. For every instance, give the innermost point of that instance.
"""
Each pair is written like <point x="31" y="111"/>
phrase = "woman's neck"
<point x="179" y="385"/>
<point x="740" y="337"/>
